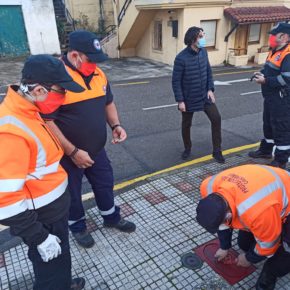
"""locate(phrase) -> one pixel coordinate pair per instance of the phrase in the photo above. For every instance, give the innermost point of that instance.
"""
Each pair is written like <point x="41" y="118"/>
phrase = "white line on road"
<point x="250" y="93"/>
<point x="159" y="107"/>
<point x="228" y="83"/>
<point x="239" y="81"/>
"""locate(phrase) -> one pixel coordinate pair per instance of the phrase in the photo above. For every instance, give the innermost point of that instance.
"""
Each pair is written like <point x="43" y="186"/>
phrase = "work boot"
<point x="186" y="153"/>
<point x="84" y="239"/>
<point x="259" y="154"/>
<point x="276" y="163"/>
<point x="218" y="156"/>
<point x="77" y="283"/>
<point x="266" y="281"/>
<point x="123" y="226"/>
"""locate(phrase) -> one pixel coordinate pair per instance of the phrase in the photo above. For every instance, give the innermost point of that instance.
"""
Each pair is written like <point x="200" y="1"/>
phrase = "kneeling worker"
<point x="255" y="200"/>
<point x="34" y="202"/>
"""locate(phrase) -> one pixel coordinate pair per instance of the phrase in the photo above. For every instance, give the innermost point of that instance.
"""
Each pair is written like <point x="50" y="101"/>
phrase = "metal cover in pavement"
<point x="226" y="268"/>
<point x="191" y="261"/>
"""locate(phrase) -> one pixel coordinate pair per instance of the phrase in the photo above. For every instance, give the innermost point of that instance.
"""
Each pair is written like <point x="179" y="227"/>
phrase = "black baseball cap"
<point x="46" y="69"/>
<point x="211" y="212"/>
<point x="280" y="28"/>
<point x="87" y="43"/>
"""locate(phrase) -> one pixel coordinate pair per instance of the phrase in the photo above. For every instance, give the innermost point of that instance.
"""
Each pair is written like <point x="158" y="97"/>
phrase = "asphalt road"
<point x="154" y="137"/>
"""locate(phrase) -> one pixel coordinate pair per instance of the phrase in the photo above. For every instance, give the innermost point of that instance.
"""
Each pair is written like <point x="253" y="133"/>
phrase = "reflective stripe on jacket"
<point x="37" y="179"/>
<point x="259" y="200"/>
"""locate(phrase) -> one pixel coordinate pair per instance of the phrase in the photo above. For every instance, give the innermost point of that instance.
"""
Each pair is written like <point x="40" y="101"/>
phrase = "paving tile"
<point x="184" y="186"/>
<point x="155" y="197"/>
<point x="126" y="209"/>
<point x="160" y="183"/>
<point x="91" y="225"/>
<point x="170" y="191"/>
<point x="2" y="260"/>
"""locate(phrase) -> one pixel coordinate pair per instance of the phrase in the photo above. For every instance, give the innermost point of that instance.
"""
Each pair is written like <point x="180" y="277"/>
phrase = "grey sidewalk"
<point x="116" y="70"/>
<point x="163" y="208"/>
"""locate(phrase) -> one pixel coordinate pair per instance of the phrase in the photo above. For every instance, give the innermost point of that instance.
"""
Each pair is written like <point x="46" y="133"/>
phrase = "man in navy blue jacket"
<point x="193" y="89"/>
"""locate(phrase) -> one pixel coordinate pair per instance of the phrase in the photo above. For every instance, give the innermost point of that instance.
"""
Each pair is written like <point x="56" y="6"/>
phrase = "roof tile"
<point x="250" y="15"/>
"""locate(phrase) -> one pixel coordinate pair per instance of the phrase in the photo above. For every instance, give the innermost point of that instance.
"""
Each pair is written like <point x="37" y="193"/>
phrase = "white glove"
<point x="221" y="254"/>
<point x="50" y="248"/>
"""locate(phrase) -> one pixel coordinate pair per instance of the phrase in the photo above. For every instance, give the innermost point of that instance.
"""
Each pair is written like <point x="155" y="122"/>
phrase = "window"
<point x="157" y="35"/>
<point x="209" y="28"/>
<point x="254" y="33"/>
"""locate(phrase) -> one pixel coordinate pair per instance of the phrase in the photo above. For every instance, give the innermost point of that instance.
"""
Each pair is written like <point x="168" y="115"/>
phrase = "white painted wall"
<point x="40" y="25"/>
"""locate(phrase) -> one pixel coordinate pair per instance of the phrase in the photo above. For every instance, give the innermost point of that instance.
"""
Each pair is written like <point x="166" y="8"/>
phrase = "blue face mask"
<point x="201" y="42"/>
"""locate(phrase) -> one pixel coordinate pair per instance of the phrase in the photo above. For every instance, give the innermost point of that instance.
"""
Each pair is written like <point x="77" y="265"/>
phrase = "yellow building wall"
<point x="170" y="46"/>
<point x="186" y="18"/>
<point x="91" y="9"/>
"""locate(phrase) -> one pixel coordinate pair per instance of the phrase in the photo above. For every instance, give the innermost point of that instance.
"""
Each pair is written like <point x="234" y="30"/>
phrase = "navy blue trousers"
<point x="276" y="128"/>
<point x="100" y="176"/>
<point x="56" y="273"/>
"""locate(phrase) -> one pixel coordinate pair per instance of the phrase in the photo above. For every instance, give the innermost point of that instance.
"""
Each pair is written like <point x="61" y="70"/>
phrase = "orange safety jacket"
<point x="36" y="178"/>
<point x="98" y="86"/>
<point x="275" y="58"/>
<point x="258" y="197"/>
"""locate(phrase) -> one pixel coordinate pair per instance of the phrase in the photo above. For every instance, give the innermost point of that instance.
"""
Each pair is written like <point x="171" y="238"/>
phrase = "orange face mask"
<point x="87" y="68"/>
<point x="273" y="41"/>
<point x="53" y="101"/>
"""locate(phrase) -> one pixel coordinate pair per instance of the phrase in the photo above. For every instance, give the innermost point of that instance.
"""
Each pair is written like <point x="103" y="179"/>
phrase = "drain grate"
<point x="191" y="261"/>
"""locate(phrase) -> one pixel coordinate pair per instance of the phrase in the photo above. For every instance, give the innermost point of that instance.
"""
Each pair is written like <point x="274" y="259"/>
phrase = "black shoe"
<point x="123" y="226"/>
<point x="266" y="282"/>
<point x="276" y="163"/>
<point x="186" y="153"/>
<point x="77" y="283"/>
<point x="259" y="154"/>
<point x="84" y="239"/>
<point x="218" y="156"/>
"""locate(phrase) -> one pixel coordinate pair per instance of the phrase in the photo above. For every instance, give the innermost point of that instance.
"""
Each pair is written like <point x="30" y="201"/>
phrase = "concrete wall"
<point x="40" y="24"/>
<point x="91" y="8"/>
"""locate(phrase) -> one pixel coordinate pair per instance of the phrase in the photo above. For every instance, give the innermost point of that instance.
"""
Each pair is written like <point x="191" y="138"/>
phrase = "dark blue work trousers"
<point x="100" y="176"/>
<point x="276" y="128"/>
<point x="56" y="273"/>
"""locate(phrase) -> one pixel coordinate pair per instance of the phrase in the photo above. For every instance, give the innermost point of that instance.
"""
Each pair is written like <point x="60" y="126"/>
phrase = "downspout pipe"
<point x="231" y="31"/>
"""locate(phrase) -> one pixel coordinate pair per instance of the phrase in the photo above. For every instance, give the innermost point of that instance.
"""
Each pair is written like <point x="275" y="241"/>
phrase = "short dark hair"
<point x="191" y="35"/>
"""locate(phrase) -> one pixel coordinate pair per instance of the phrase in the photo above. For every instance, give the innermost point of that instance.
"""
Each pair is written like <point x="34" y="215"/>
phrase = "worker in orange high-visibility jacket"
<point x="33" y="198"/>
<point x="255" y="200"/>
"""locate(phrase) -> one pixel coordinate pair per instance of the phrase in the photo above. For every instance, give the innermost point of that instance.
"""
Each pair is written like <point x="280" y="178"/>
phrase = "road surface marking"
<point x="250" y="93"/>
<point x="131" y="84"/>
<point x="228" y="83"/>
<point x="159" y="107"/>
<point x="179" y="166"/>
<point x="232" y="73"/>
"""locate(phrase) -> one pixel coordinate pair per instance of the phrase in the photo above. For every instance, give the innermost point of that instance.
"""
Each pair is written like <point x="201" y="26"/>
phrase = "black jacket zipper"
<point x="55" y="142"/>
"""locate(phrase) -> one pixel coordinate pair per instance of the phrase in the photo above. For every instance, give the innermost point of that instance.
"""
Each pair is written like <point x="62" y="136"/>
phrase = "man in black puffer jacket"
<point x="193" y="88"/>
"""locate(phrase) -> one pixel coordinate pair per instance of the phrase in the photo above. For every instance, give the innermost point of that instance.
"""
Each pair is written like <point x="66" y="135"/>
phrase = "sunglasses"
<point x="50" y="89"/>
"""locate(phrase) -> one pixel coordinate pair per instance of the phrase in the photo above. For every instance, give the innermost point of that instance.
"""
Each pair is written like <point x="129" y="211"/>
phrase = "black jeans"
<point x="214" y="116"/>
<point x="55" y="274"/>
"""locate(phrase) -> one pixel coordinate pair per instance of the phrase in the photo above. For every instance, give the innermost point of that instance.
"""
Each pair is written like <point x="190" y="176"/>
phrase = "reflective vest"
<point x="275" y="59"/>
<point x="251" y="190"/>
<point x="44" y="180"/>
<point x="98" y="86"/>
